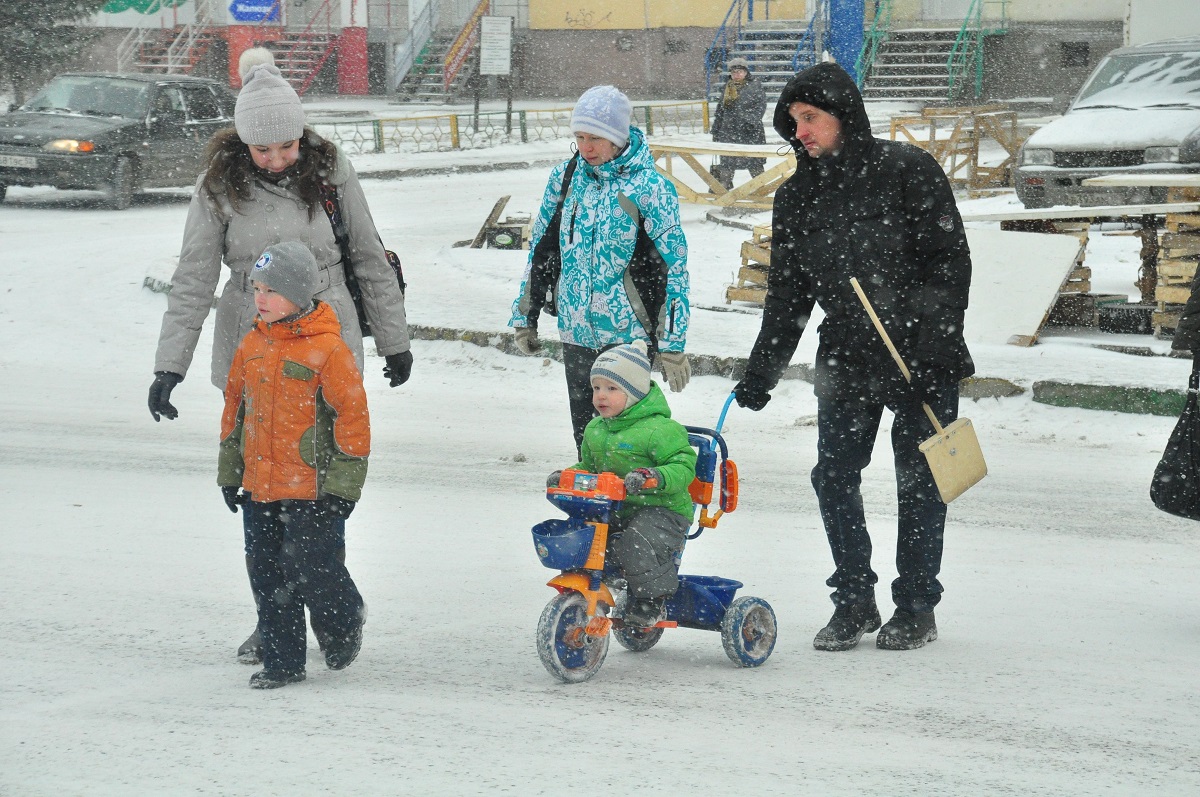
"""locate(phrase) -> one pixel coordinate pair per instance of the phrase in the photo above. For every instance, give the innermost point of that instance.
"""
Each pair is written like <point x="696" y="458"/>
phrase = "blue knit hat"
<point x="603" y="111"/>
<point x="628" y="366"/>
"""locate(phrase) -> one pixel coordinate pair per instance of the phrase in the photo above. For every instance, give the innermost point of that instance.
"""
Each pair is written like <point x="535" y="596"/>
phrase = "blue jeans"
<point x="293" y="546"/>
<point x="846" y="430"/>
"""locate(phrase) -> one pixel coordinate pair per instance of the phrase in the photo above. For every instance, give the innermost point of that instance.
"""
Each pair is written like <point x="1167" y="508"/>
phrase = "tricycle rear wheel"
<point x="748" y="631"/>
<point x="566" y="651"/>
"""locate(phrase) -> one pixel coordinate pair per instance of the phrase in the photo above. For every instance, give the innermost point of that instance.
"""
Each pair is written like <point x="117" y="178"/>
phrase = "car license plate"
<point x="18" y="162"/>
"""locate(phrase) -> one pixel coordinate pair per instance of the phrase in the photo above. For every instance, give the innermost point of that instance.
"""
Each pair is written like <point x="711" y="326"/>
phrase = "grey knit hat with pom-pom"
<point x="268" y="109"/>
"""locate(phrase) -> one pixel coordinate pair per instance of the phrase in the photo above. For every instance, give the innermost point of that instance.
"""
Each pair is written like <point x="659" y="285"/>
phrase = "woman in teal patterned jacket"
<point x="623" y="273"/>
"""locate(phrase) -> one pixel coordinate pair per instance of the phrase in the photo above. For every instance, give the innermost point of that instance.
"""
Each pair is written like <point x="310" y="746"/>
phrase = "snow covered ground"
<point x="1069" y="629"/>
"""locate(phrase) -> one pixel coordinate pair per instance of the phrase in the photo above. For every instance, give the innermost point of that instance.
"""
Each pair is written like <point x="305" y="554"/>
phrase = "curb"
<point x="1134" y="400"/>
<point x="702" y="364"/>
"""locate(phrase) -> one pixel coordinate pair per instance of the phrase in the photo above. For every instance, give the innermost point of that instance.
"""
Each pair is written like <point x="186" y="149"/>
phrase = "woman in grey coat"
<point x="262" y="185"/>
<point x="739" y="120"/>
<point x="265" y="182"/>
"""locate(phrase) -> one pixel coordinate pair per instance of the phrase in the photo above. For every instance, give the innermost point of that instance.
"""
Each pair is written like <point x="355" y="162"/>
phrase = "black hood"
<point x="830" y="88"/>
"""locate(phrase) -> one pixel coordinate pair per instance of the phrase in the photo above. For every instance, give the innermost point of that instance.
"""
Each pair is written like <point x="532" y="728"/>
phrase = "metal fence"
<point x="470" y="131"/>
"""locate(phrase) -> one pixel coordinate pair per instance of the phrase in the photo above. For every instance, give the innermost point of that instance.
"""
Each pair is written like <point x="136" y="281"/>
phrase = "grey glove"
<point x="642" y="479"/>
<point x="527" y="340"/>
<point x="552" y="479"/>
<point x="675" y="369"/>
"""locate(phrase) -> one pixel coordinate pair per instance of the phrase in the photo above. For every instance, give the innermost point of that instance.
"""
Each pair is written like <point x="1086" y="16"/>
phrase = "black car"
<point x="115" y="133"/>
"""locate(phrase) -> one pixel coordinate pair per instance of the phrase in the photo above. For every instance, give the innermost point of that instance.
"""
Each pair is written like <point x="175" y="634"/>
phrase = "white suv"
<point x="1139" y="111"/>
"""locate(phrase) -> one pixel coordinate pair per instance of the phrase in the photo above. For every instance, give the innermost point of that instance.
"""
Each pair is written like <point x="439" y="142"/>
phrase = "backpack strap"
<point x="546" y="261"/>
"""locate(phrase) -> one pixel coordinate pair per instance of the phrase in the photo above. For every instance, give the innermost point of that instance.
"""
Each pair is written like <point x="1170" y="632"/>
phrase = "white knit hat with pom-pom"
<point x="628" y="366"/>
<point x="268" y="109"/>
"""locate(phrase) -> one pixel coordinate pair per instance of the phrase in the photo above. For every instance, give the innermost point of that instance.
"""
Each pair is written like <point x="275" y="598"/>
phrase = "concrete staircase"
<point x="912" y="65"/>
<point x="769" y="48"/>
<point x="300" y="57"/>
<point x="173" y="51"/>
<point x="426" y="81"/>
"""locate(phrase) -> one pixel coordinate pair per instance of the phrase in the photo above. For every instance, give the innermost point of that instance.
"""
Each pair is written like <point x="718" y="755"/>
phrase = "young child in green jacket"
<point x="635" y="438"/>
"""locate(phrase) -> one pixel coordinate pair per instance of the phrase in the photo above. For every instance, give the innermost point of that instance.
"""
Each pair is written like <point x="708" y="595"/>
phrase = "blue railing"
<point x="815" y="39"/>
<point x="727" y="35"/>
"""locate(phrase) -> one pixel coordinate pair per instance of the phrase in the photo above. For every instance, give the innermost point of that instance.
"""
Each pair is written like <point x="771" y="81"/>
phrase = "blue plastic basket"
<point x="701" y="601"/>
<point x="563" y="544"/>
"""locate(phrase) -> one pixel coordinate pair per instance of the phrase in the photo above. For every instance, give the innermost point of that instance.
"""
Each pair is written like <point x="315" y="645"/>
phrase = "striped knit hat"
<point x="628" y="366"/>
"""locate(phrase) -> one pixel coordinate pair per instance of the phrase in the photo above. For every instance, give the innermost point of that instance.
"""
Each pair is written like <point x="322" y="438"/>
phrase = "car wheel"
<point x="120" y="192"/>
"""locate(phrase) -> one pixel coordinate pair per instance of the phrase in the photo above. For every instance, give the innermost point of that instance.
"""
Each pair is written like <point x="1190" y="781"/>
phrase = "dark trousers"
<point x="578" y="361"/>
<point x="645" y="547"/>
<point x="293" y="548"/>
<point x="724" y="171"/>
<point x="846" y="432"/>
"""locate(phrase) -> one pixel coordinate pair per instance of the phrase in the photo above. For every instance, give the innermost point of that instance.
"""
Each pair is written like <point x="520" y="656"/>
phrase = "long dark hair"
<point x="229" y="171"/>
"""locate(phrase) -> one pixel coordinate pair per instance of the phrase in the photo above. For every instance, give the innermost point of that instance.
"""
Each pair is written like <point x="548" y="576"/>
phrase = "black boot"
<point x="849" y="622"/>
<point x="907" y="630"/>
<point x="644" y="612"/>
<point x="250" y="651"/>
<point x="265" y="679"/>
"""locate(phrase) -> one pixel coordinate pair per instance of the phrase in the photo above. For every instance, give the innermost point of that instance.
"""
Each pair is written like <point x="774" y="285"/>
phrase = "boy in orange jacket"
<point x="295" y="437"/>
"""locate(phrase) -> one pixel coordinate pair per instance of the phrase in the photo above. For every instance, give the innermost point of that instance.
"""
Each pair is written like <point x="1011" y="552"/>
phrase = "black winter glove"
<point x="338" y="507"/>
<point x="552" y="479"/>
<point x="398" y="368"/>
<point x="927" y="382"/>
<point x="751" y="393"/>
<point x="160" y="394"/>
<point x="233" y="499"/>
<point x="642" y="479"/>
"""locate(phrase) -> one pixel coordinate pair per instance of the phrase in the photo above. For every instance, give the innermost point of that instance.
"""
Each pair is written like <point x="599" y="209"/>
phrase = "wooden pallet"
<point x="751" y="285"/>
<point x="1178" y="257"/>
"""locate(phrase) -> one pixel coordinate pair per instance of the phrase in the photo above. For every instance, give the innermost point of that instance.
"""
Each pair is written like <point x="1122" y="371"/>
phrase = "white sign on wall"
<point x="495" y="45"/>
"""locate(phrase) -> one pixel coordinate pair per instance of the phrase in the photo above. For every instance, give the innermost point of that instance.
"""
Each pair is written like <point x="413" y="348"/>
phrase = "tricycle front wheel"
<point x="748" y="631"/>
<point x="567" y="652"/>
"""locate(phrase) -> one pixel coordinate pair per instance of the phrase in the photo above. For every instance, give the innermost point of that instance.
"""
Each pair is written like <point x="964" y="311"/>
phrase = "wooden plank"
<point x="1172" y="294"/>
<point x="1080" y="286"/>
<point x="756" y="253"/>
<point x="762" y="233"/>
<point x="756" y="276"/>
<point x="1180" y="244"/>
<point x="1177" y="268"/>
<point x="753" y="295"/>
<point x="481" y="236"/>
<point x="1100" y="212"/>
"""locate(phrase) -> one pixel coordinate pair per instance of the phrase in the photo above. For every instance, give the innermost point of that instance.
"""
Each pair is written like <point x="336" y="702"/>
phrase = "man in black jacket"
<point x="883" y="212"/>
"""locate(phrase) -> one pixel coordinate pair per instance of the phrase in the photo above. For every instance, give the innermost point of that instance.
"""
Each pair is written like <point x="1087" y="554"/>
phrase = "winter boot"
<point x="339" y="653"/>
<point x="849" y="622"/>
<point x="644" y="612"/>
<point x="265" y="679"/>
<point x="907" y="630"/>
<point x="250" y="651"/>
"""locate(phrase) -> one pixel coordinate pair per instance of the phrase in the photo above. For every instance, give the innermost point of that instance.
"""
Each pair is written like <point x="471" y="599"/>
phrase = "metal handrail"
<point x="718" y="52"/>
<point x="456" y="56"/>
<point x="405" y="56"/>
<point x="179" y="53"/>
<point x="968" y="46"/>
<point x="880" y="30"/>
<point x="808" y="43"/>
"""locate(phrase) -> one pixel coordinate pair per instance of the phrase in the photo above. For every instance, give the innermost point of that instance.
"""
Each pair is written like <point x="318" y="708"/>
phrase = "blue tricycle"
<point x="572" y="635"/>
